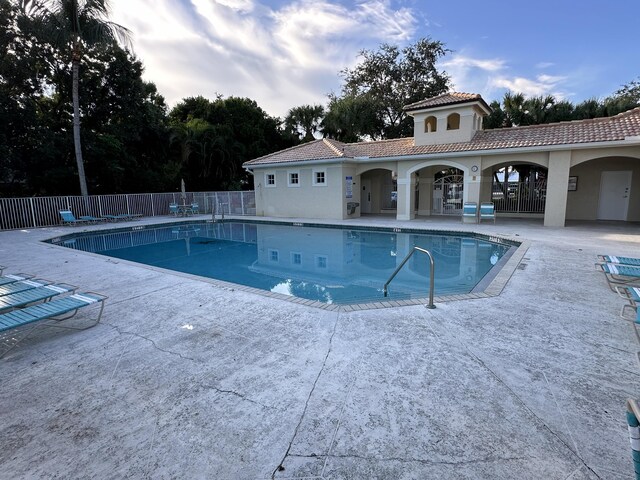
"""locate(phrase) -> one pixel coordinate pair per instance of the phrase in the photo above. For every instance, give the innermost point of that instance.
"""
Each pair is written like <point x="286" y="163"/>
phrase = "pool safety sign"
<point x="349" y="187"/>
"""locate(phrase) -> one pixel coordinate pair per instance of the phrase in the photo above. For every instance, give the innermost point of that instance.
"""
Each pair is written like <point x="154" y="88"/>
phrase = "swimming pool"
<point x="331" y="265"/>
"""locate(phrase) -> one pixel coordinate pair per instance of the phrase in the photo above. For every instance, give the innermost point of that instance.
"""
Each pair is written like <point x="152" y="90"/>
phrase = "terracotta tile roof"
<point x="607" y="129"/>
<point x="315" y="150"/>
<point x="450" y="98"/>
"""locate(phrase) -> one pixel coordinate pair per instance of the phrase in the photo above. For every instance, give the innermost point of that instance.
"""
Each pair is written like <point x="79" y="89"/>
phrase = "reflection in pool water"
<point x="330" y="265"/>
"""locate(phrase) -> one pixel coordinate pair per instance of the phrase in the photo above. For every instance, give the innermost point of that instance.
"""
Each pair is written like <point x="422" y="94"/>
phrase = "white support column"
<point x="555" y="209"/>
<point x="472" y="187"/>
<point x="406" y="198"/>
<point x="426" y="193"/>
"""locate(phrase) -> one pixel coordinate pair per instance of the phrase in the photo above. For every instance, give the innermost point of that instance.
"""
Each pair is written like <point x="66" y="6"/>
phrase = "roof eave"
<point x="627" y="142"/>
<point x="296" y="163"/>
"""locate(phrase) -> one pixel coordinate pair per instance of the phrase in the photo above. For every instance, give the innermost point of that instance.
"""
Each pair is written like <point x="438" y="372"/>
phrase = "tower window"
<point x="430" y="124"/>
<point x="453" y="121"/>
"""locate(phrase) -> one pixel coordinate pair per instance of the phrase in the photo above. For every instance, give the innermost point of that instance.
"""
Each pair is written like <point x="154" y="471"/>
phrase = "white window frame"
<point x="318" y="259"/>
<point x="293" y="172"/>
<point x="293" y="256"/>
<point x="266" y="179"/>
<point x="274" y="255"/>
<point x="315" y="178"/>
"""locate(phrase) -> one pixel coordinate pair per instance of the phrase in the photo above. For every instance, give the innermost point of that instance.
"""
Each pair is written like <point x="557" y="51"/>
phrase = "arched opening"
<point x="448" y="191"/>
<point x="430" y="124"/>
<point x="453" y="121"/>
<point x="519" y="188"/>
<point x="379" y="191"/>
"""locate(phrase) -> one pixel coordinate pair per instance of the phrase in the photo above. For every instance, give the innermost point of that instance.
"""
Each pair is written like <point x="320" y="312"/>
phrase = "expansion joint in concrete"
<point x="417" y="460"/>
<point x="532" y="413"/>
<point x="306" y="403"/>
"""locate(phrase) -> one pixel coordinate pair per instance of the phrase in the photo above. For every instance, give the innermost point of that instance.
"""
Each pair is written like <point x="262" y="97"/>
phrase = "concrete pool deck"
<point x="186" y="379"/>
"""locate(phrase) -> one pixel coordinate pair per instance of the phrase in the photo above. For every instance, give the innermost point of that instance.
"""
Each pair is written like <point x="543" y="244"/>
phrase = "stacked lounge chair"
<point x="27" y="303"/>
<point x="68" y="218"/>
<point x="623" y="276"/>
<point x="619" y="274"/>
<point x="122" y="217"/>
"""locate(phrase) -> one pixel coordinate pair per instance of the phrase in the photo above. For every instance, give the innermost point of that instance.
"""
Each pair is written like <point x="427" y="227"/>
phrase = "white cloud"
<point x="462" y="62"/>
<point x="279" y="57"/>
<point x="489" y="77"/>
<point x="542" y="65"/>
<point x="541" y="85"/>
<point x="470" y="74"/>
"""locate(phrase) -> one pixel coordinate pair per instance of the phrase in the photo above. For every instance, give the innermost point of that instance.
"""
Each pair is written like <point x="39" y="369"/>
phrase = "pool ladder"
<point x="431" y="273"/>
<point x="214" y="207"/>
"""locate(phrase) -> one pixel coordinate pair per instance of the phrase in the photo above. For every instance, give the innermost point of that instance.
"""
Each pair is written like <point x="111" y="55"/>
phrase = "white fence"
<point x="519" y="197"/>
<point x="36" y="212"/>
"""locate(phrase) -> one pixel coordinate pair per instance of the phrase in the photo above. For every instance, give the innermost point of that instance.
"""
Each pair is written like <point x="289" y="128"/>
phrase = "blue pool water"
<point x="330" y="265"/>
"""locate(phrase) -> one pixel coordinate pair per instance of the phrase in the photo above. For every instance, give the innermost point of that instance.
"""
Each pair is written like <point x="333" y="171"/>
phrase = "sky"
<point x="286" y="53"/>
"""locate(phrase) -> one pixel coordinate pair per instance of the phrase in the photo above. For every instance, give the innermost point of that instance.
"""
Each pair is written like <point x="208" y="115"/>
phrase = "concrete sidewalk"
<point x="187" y="379"/>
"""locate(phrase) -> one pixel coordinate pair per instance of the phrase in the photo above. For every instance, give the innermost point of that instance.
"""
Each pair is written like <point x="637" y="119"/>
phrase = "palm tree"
<point x="74" y="25"/>
<point x="305" y="118"/>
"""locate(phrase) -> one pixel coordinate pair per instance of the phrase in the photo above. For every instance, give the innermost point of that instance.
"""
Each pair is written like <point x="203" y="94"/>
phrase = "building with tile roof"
<point x="582" y="170"/>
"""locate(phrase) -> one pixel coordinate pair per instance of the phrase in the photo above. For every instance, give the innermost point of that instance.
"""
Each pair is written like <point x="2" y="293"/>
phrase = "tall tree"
<point x="304" y="121"/>
<point x="353" y="118"/>
<point x="214" y="138"/>
<point x="73" y="25"/>
<point x="396" y="78"/>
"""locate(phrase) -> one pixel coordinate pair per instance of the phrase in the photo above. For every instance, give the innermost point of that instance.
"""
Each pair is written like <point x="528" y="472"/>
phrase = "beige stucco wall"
<point x="469" y="123"/>
<point x="582" y="204"/>
<point x="306" y="200"/>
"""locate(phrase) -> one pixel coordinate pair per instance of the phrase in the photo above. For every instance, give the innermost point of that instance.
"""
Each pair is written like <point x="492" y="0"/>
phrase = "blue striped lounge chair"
<point x="49" y="314"/>
<point x="173" y="209"/>
<point x="68" y="218"/>
<point x="470" y="211"/>
<point x="34" y="295"/>
<point x="487" y="212"/>
<point x="616" y="259"/>
<point x="630" y="311"/>
<point x="633" y="422"/>
<point x="12" y="278"/>
<point x="22" y="286"/>
<point x="123" y="217"/>
<point x="619" y="274"/>
<point x="195" y="208"/>
<point x="92" y="219"/>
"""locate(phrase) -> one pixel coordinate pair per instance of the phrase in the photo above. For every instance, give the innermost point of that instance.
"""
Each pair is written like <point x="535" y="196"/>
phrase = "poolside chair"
<point x="22" y="285"/>
<point x="34" y="295"/>
<point x="619" y="274"/>
<point x="470" y="210"/>
<point x="487" y="212"/>
<point x="195" y="208"/>
<point x="633" y="416"/>
<point x="623" y="260"/>
<point x="69" y="219"/>
<point x="123" y="217"/>
<point x="5" y="279"/>
<point x="92" y="219"/>
<point x="632" y="295"/>
<point x="54" y="312"/>
<point x="173" y="209"/>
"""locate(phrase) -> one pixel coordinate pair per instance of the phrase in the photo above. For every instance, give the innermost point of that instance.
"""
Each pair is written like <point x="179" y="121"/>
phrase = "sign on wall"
<point x="349" y="187"/>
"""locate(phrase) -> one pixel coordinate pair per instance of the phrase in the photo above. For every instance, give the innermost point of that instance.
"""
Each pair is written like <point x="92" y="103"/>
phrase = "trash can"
<point x="351" y="207"/>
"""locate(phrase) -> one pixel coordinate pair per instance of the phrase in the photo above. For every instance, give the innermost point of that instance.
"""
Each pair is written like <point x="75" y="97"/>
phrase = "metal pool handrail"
<point x="431" y="273"/>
